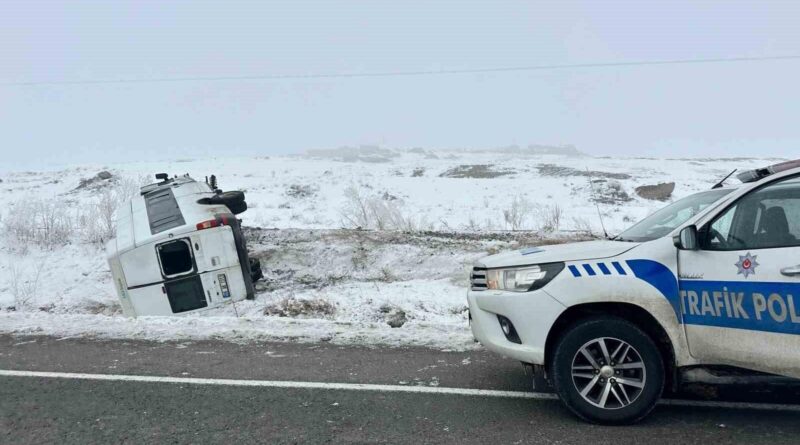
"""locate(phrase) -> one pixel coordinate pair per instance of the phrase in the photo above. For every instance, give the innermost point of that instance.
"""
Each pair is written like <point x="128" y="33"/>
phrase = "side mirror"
<point x="686" y="239"/>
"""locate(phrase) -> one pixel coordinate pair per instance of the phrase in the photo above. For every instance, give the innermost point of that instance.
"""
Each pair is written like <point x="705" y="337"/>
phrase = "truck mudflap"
<point x="251" y="267"/>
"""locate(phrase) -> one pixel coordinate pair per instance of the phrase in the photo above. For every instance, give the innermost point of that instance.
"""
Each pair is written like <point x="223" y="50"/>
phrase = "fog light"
<point x="508" y="330"/>
<point x="505" y="326"/>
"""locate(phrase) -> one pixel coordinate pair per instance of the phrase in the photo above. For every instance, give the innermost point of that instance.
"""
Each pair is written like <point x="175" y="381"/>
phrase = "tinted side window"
<point x="186" y="294"/>
<point x="766" y="218"/>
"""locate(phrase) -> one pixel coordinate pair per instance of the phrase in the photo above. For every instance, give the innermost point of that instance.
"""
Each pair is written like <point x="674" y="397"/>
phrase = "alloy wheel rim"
<point x="608" y="373"/>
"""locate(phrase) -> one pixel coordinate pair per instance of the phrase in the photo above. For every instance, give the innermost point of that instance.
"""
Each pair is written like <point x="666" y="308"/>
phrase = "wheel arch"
<point x="633" y="313"/>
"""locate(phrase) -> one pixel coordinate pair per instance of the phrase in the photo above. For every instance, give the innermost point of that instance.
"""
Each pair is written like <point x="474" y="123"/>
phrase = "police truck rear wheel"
<point x="607" y="370"/>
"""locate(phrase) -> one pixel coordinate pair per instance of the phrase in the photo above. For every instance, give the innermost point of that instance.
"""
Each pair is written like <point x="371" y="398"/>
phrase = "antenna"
<point x="719" y="184"/>
<point x="597" y="206"/>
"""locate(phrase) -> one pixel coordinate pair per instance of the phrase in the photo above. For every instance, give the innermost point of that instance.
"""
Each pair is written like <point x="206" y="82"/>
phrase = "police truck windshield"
<point x="670" y="217"/>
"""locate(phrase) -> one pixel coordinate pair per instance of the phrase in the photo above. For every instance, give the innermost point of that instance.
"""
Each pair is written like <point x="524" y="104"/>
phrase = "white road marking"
<point x="281" y="384"/>
<point x="367" y="387"/>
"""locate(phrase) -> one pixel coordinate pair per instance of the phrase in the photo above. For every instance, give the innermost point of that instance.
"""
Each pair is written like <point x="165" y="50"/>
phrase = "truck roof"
<point x="162" y="210"/>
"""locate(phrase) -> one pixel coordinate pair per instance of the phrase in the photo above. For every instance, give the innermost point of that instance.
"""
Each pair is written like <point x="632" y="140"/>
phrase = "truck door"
<point x="740" y="292"/>
<point x="182" y="284"/>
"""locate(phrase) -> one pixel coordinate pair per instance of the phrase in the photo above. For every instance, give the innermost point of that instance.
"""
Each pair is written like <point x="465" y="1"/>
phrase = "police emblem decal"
<point x="747" y="265"/>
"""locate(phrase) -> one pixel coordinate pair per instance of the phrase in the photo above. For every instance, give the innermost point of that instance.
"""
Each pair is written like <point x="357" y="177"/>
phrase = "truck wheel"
<point x="607" y="370"/>
<point x="237" y="207"/>
<point x="230" y="197"/>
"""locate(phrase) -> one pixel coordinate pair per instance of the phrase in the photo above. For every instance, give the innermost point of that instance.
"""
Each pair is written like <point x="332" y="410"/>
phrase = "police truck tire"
<point x="607" y="370"/>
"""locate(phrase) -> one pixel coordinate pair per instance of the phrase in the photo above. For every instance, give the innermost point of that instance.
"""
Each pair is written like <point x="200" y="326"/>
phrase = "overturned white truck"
<point x="179" y="248"/>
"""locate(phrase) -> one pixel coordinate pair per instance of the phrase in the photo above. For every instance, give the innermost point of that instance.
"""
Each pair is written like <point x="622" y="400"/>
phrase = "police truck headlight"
<point x="522" y="279"/>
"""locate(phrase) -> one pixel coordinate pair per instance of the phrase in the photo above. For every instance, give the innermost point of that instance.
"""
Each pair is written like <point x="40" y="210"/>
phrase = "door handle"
<point x="791" y="270"/>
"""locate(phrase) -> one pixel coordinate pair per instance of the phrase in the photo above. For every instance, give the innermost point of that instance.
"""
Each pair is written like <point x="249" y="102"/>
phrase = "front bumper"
<point x="532" y="313"/>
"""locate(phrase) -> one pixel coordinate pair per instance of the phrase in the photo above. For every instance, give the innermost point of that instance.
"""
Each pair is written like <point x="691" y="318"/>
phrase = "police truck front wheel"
<point x="607" y="370"/>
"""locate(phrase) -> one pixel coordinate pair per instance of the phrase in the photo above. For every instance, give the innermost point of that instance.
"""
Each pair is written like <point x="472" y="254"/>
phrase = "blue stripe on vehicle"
<point x="575" y="271"/>
<point x="603" y="269"/>
<point x="660" y="277"/>
<point x="724" y="304"/>
<point x="619" y="268"/>
<point x="589" y="270"/>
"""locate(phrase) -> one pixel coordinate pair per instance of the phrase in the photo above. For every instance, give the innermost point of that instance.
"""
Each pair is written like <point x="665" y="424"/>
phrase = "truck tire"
<point x="230" y="197"/>
<point x="236" y="207"/>
<point x="607" y="370"/>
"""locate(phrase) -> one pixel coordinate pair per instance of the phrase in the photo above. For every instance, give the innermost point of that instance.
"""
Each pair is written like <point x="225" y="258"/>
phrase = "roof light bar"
<point x="760" y="173"/>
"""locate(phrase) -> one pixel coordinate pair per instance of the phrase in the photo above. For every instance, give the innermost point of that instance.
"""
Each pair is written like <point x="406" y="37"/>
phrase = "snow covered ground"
<point x="429" y="216"/>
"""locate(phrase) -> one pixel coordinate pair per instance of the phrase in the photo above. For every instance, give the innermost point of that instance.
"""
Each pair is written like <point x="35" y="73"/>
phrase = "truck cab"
<point x="179" y="248"/>
<point x="711" y="279"/>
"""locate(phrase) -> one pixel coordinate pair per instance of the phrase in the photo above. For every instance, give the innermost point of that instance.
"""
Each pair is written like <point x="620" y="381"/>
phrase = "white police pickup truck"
<point x="711" y="279"/>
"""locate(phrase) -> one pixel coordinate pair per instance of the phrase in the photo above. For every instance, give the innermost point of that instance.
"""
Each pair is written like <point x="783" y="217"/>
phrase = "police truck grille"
<point x="477" y="278"/>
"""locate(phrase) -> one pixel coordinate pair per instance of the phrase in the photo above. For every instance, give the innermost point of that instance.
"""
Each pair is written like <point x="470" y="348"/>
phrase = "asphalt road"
<point x="76" y="410"/>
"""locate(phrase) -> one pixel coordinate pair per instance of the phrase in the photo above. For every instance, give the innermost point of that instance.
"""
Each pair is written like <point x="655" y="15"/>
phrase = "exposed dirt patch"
<point x="561" y="171"/>
<point x="481" y="171"/>
<point x="109" y="309"/>
<point x="432" y="239"/>
<point x="292" y="307"/>
<point x="301" y="191"/>
<point x="99" y="180"/>
<point x="299" y="260"/>
<point x="394" y="316"/>
<point x="609" y="192"/>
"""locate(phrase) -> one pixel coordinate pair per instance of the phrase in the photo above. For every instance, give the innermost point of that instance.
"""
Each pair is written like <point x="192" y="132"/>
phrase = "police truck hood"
<point x="588" y="250"/>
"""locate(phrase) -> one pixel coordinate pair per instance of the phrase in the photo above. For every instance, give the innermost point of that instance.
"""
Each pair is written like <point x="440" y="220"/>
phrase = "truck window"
<point x="175" y="258"/>
<point x="186" y="294"/>
<point x="722" y="227"/>
<point x="766" y="218"/>
<point x="670" y="217"/>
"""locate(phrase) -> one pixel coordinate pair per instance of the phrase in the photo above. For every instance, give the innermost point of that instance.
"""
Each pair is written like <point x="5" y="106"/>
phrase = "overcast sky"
<point x="724" y="109"/>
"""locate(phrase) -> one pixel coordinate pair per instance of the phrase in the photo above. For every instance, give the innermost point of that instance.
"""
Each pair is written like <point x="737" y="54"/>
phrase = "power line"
<point x="403" y="73"/>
